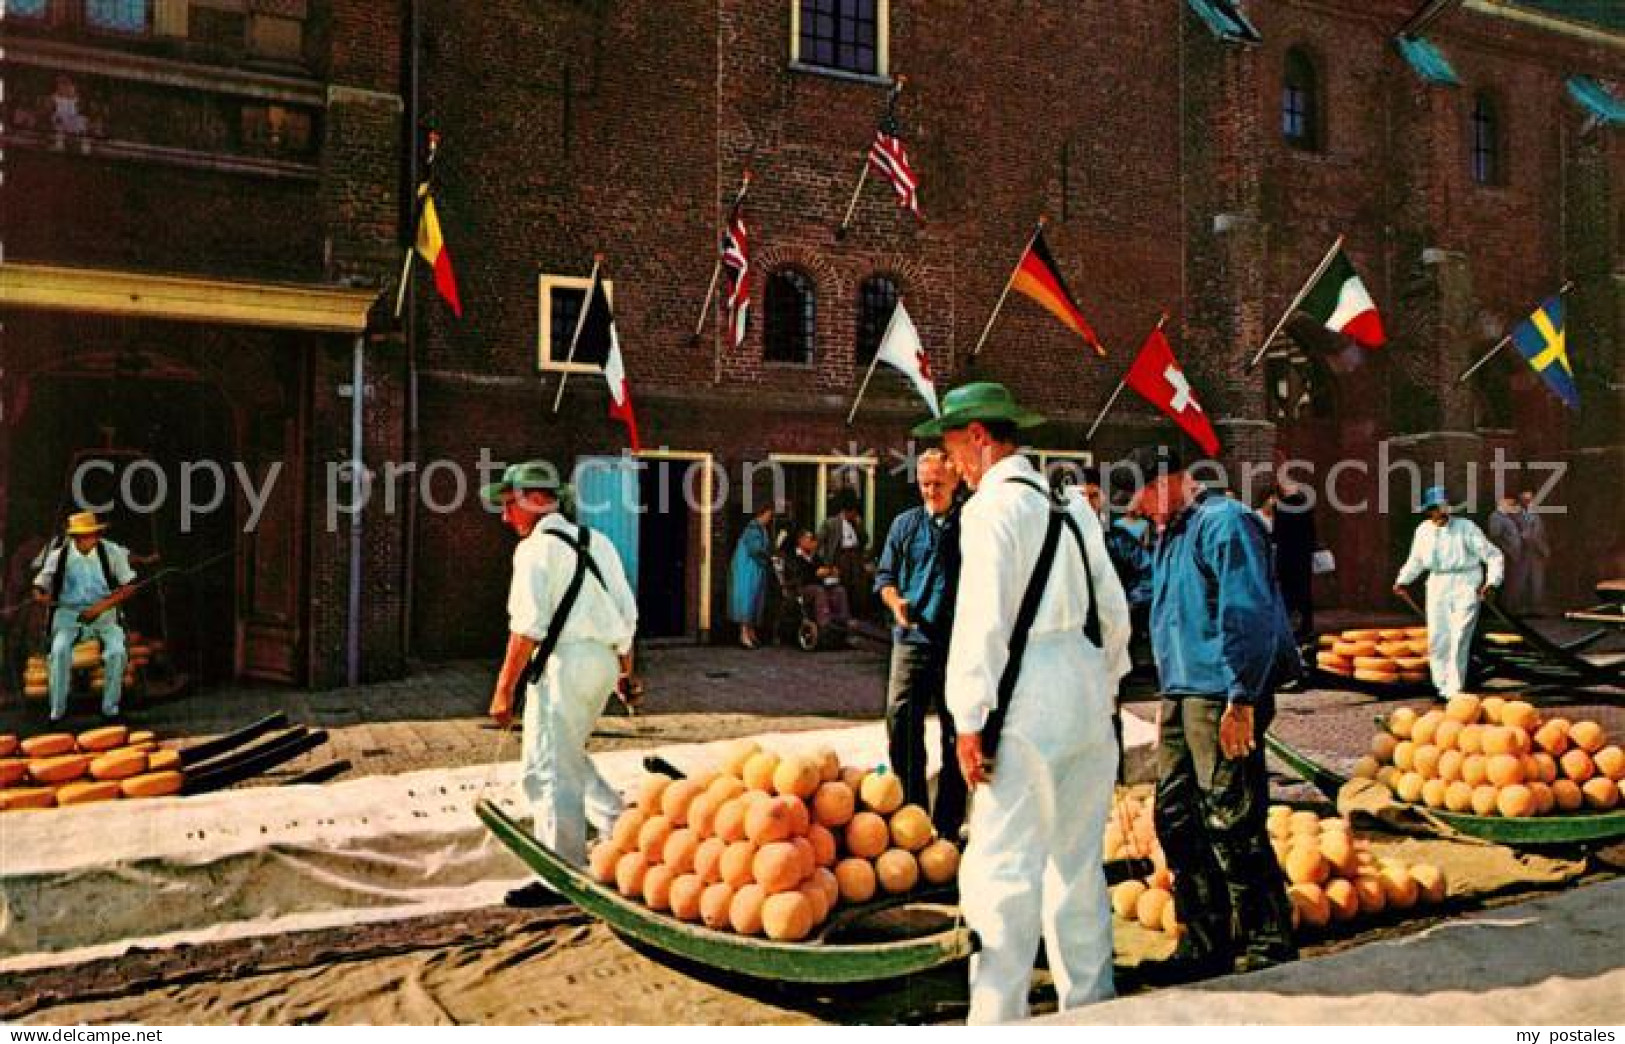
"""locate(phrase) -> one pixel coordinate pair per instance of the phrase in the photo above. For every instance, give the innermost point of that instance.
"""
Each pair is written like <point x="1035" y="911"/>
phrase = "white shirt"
<point x="84" y="584"/>
<point x="1459" y="546"/>
<point x="542" y="567"/>
<point x="849" y="535"/>
<point x="1001" y="532"/>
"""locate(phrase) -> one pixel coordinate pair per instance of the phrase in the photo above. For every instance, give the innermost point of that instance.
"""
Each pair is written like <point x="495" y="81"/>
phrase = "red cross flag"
<point x="1158" y="378"/>
<point x="901" y="349"/>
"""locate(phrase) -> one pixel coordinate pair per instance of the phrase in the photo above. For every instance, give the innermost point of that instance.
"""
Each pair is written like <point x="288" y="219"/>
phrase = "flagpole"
<point x="716" y="267"/>
<point x="1303" y="292"/>
<point x="874" y="362"/>
<point x="581" y="321"/>
<point x="406" y="274"/>
<point x="1117" y="391"/>
<point x="863" y="175"/>
<point x="1042" y="220"/>
<point x="1502" y="343"/>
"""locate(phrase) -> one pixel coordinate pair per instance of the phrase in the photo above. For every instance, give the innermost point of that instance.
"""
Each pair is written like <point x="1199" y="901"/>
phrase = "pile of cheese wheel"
<point x="87" y="655"/>
<point x="61" y="769"/>
<point x="1331" y="875"/>
<point x="1385" y="656"/>
<point x="1491" y="756"/>
<point x="769" y="844"/>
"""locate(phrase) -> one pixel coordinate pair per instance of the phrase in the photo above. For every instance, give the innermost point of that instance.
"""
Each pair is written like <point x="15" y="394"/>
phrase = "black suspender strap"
<point x="592" y="564"/>
<point x="1027" y="612"/>
<point x="561" y="614"/>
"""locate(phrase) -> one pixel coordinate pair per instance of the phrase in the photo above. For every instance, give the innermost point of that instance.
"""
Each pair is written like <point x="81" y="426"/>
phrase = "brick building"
<point x="201" y="204"/>
<point x="1195" y="157"/>
<point x="1191" y="156"/>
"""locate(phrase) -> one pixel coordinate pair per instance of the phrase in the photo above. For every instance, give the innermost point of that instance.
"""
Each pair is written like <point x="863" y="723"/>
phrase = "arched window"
<point x="1486" y="143"/>
<point x="877" y="299"/>
<point x="1300" y="101"/>
<point x="792" y="317"/>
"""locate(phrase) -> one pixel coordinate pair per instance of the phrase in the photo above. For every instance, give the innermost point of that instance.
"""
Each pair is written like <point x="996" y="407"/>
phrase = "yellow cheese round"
<point x="86" y="792"/>
<point x="120" y="764"/>
<point x="60" y="769"/>
<point x="153" y="784"/>
<point x="49" y="745"/>
<point x="98" y="740"/>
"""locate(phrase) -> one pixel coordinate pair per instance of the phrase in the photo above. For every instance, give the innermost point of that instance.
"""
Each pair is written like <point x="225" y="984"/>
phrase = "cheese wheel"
<point x="1353" y="649"/>
<point x="87" y="792"/>
<point x="104" y="739"/>
<point x="8" y="746"/>
<point x="142" y="736"/>
<point x="152" y="784"/>
<point x="1326" y="641"/>
<point x="49" y="745"/>
<point x="27" y="797"/>
<point x="87" y="654"/>
<point x="1393" y="649"/>
<point x="120" y="764"/>
<point x="1334" y="669"/>
<point x="1418" y="646"/>
<point x="1411" y="663"/>
<point x="1332" y="660"/>
<point x="1380" y="677"/>
<point x="60" y="769"/>
<point x="1361" y="635"/>
<point x="13" y="771"/>
<point x="1373" y="663"/>
<point x="1414" y="677"/>
<point x="1392" y="634"/>
<point x="163" y="761"/>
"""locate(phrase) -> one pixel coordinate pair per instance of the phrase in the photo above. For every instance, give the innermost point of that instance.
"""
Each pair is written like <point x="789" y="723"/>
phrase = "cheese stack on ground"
<point x="104" y="764"/>
<point x="1382" y="655"/>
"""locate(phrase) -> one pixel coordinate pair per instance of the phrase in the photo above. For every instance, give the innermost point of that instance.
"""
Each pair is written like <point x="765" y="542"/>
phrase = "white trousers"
<point x="1452" y="614"/>
<point x="1034" y="863"/>
<point x="564" y="789"/>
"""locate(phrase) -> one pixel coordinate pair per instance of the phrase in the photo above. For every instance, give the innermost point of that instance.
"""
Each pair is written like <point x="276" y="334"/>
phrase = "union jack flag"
<point x="736" y="274"/>
<point x="889" y="158"/>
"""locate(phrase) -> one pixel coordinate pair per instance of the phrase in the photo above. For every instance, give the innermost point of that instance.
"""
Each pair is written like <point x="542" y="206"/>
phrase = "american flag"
<point x="889" y="158"/>
<point x="736" y="269"/>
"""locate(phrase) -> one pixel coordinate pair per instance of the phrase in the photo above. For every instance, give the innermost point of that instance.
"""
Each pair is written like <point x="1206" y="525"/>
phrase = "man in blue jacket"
<point x="1222" y="644"/>
<point x="918" y="579"/>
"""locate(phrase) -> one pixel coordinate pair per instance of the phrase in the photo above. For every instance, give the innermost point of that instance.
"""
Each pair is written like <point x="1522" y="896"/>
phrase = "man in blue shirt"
<point x="1222" y="644"/>
<point x="917" y="579"/>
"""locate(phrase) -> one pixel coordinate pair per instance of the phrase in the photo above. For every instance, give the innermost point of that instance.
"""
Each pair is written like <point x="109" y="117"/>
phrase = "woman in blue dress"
<point x="749" y="576"/>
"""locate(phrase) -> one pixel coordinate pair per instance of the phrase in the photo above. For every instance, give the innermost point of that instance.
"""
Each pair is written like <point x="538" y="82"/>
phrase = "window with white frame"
<point x="561" y="299"/>
<point x="841" y="36"/>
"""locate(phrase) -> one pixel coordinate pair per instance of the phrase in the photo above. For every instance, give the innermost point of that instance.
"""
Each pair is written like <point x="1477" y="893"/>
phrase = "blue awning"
<point x="1596" y="99"/>
<point x="1226" y="21"/>
<point x="1428" y="62"/>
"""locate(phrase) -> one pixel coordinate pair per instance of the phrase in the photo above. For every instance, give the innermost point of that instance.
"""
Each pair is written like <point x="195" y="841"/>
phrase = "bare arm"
<point x="520" y="649"/>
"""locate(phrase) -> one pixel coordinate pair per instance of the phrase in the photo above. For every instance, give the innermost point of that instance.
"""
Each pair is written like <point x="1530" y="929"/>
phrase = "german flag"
<point x="1039" y="278"/>
<point x="431" y="246"/>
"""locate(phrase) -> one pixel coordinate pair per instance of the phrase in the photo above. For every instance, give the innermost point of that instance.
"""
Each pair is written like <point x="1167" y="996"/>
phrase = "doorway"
<point x="656" y="508"/>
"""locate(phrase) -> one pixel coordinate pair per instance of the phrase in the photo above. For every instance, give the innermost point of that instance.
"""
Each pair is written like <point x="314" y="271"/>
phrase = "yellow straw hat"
<point x="84" y="523"/>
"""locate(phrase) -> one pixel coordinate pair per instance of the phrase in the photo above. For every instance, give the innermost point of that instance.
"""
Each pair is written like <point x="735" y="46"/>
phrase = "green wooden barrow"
<point x="1535" y="830"/>
<point x="816" y="962"/>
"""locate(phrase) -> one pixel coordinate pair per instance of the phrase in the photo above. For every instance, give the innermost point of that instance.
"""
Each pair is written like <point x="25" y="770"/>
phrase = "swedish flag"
<point x="1541" y="340"/>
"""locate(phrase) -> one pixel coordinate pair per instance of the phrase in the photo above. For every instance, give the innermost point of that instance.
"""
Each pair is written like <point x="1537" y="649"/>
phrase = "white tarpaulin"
<point x="96" y="880"/>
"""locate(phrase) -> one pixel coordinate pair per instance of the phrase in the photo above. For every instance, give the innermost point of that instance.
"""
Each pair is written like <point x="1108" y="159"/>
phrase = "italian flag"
<point x="1340" y="302"/>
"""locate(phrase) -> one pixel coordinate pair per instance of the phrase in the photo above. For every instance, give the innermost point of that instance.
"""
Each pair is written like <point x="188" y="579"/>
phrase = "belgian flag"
<point x="1038" y="277"/>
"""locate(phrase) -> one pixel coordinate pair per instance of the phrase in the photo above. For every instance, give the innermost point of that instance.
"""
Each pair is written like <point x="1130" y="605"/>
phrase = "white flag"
<point x="901" y="348"/>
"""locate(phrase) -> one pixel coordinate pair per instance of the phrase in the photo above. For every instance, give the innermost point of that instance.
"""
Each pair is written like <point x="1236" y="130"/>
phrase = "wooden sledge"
<point x="1536" y="830"/>
<point x="820" y="961"/>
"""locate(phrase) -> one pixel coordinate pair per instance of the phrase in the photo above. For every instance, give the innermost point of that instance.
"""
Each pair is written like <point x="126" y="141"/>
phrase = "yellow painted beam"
<point x="140" y="295"/>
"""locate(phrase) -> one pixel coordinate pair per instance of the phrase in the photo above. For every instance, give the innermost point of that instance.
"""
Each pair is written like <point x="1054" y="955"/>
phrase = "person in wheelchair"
<point x="817" y="582"/>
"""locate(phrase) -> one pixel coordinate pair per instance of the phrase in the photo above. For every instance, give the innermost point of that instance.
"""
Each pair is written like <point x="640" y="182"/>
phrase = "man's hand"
<point x="1485" y="592"/>
<point x="1236" y="730"/>
<point x="42" y="596"/>
<point x="89" y="615"/>
<point x="899" y="611"/>
<point x="972" y="765"/>
<point x="502" y="705"/>
<point x="1400" y="591"/>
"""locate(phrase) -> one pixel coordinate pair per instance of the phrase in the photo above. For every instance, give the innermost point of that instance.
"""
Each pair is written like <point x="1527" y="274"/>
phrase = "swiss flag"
<point x="1158" y="378"/>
